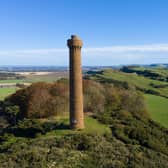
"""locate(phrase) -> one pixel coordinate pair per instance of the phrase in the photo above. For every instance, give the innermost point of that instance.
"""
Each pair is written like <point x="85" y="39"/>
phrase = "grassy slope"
<point x="91" y="126"/>
<point x="133" y="79"/>
<point x="159" y="70"/>
<point x="12" y="81"/>
<point x="158" y="108"/>
<point x="4" y="92"/>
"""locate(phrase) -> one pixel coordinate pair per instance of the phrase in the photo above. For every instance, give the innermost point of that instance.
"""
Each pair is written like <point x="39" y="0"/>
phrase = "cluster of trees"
<point x="41" y="100"/>
<point x="150" y="73"/>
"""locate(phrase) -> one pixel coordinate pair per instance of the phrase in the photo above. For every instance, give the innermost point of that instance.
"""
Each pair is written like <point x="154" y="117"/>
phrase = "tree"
<point x="12" y="113"/>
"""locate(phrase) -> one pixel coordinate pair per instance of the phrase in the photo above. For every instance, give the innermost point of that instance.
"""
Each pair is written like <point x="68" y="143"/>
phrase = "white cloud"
<point x="131" y="48"/>
<point x="92" y="50"/>
<point x="130" y="54"/>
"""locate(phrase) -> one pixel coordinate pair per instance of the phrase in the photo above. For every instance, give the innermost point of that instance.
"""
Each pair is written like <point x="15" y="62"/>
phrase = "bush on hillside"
<point x="78" y="151"/>
<point x="94" y="97"/>
<point x="41" y="100"/>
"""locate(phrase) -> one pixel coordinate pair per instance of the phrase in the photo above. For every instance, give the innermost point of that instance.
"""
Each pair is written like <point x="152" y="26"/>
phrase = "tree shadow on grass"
<point x="33" y="129"/>
<point x="63" y="126"/>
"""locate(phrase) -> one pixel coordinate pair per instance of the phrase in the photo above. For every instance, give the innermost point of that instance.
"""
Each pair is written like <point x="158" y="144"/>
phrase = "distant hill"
<point x="135" y="77"/>
<point x="157" y="73"/>
<point x="123" y="79"/>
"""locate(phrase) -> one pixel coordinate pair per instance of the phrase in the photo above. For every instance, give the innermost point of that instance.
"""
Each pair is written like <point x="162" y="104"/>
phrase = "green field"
<point x="46" y="78"/>
<point x="4" y="92"/>
<point x="156" y="73"/>
<point x="156" y="105"/>
<point x="12" y="81"/>
<point x="92" y="126"/>
<point x="140" y="82"/>
<point x="159" y="70"/>
<point x="52" y="77"/>
<point x="158" y="108"/>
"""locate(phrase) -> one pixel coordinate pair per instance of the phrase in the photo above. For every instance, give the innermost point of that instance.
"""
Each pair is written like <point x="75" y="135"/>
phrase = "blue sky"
<point x="34" y="32"/>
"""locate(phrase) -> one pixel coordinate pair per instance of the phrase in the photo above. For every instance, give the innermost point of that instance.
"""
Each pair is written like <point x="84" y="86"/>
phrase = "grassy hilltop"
<point x="31" y="77"/>
<point x="140" y="82"/>
<point x="120" y="114"/>
<point x="156" y="91"/>
<point x="157" y="73"/>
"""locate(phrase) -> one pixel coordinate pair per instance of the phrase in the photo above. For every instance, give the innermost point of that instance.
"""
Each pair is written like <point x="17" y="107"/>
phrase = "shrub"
<point x="12" y="113"/>
<point x="41" y="100"/>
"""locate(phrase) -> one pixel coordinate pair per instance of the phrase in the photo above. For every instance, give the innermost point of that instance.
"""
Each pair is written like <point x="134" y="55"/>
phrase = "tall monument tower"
<point x="76" y="91"/>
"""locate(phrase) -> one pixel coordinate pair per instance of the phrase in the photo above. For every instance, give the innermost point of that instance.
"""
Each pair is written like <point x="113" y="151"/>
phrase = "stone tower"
<point x="76" y="90"/>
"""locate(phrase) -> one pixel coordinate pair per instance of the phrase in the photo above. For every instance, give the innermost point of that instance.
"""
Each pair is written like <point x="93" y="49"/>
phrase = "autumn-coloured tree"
<point x="41" y="100"/>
